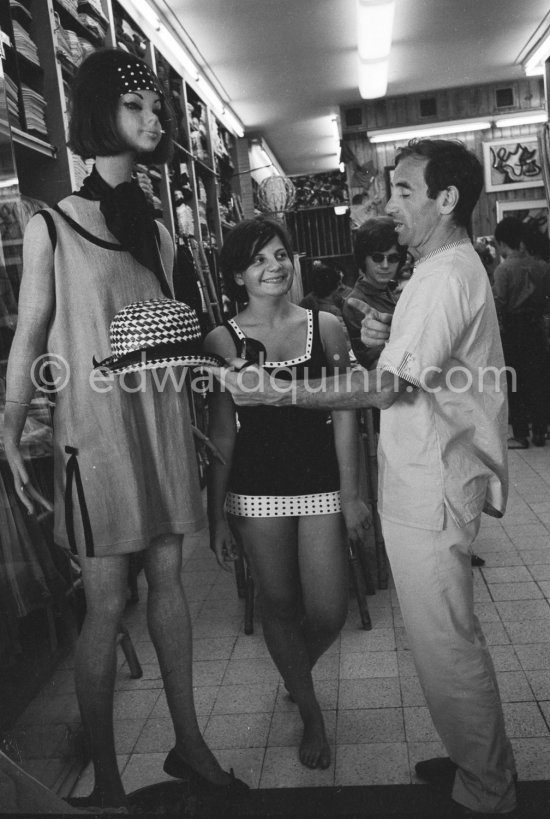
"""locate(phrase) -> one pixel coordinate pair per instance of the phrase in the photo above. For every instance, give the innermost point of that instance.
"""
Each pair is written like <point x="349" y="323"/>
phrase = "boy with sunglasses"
<point x="380" y="260"/>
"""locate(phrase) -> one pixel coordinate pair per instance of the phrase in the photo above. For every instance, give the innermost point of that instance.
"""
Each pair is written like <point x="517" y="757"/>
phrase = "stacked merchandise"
<point x="91" y="10"/>
<point x="184" y="214"/>
<point x="63" y="48"/>
<point x="198" y="130"/>
<point x="129" y="38"/>
<point x="70" y="5"/>
<point x="34" y="107"/>
<point x="147" y="178"/>
<point x="20" y="12"/>
<point x="97" y="25"/>
<point x="223" y="143"/>
<point x="202" y="202"/>
<point x="81" y="168"/>
<point x="24" y="44"/>
<point x="70" y="48"/>
<point x="12" y="101"/>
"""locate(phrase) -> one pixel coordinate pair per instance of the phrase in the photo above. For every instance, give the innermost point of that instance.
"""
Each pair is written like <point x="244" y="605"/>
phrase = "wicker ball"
<point x="276" y="194"/>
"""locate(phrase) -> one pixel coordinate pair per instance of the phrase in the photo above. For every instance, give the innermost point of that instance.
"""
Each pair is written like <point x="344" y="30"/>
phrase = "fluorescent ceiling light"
<point x="374" y="34"/>
<point x="171" y="48"/>
<point x="436" y="129"/>
<point x="264" y="156"/>
<point x="232" y="122"/>
<point x="374" y="28"/>
<point x="521" y="118"/>
<point x="142" y="7"/>
<point x="373" y="78"/>
<point x="534" y="63"/>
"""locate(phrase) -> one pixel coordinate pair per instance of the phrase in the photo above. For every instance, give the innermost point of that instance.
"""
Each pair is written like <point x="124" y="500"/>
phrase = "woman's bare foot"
<point x="314" y="748"/>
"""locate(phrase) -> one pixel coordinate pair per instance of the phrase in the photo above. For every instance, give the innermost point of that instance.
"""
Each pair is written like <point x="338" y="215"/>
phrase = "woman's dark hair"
<point x="93" y="105"/>
<point x="241" y="245"/>
<point x="324" y="280"/>
<point x="449" y="163"/>
<point x="375" y="234"/>
<point x="511" y="231"/>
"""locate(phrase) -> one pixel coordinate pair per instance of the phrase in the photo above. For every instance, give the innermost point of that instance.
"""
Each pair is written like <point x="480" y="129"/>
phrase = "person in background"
<point x="328" y="292"/>
<point x="289" y="486"/>
<point x="520" y="288"/>
<point x="84" y="261"/>
<point x="380" y="258"/>
<point x="537" y="242"/>
<point x="442" y="455"/>
<point x="487" y="254"/>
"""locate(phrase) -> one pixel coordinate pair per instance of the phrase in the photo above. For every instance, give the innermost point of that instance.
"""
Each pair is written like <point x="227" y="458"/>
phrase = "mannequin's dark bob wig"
<point x="93" y="106"/>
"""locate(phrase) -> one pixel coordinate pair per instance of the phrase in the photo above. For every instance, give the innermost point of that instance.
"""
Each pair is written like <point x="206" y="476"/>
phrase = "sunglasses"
<point x="392" y="258"/>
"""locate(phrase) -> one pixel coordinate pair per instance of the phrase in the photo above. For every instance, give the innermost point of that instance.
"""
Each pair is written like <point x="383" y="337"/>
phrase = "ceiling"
<point x="285" y="66"/>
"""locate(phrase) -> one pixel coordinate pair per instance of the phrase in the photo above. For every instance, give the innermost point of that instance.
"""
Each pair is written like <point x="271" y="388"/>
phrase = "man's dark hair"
<point x="93" y="106"/>
<point x="449" y="163"/>
<point x="510" y="231"/>
<point x="536" y="242"/>
<point x="324" y="280"/>
<point x="241" y="245"/>
<point x="375" y="234"/>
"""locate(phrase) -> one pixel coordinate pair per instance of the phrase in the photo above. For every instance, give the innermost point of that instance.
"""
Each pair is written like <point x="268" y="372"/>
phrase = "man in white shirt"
<point x="441" y="385"/>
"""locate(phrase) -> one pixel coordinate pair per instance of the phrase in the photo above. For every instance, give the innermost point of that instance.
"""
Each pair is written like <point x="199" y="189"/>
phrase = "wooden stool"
<point x="361" y="577"/>
<point x="368" y="436"/>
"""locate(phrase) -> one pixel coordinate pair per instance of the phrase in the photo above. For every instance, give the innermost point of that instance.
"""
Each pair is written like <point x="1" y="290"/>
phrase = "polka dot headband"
<point x="136" y="76"/>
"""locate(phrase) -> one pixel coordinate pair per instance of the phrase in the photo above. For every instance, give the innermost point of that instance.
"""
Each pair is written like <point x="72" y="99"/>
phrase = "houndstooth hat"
<point x="156" y="333"/>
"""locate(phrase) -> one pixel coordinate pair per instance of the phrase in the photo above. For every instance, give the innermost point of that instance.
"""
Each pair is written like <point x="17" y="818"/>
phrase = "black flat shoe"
<point x="90" y="804"/>
<point x="175" y="766"/>
<point x="440" y="771"/>
<point x="437" y="771"/>
<point x="477" y="560"/>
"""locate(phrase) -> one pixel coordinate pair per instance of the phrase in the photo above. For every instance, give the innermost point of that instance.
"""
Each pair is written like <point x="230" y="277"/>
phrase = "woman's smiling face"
<point x="270" y="271"/>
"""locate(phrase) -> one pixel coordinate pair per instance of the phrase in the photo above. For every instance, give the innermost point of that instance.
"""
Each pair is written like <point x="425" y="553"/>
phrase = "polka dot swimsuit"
<point x="284" y="462"/>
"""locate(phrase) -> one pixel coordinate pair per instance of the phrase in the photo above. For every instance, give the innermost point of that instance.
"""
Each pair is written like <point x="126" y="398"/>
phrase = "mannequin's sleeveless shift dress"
<point x="132" y="435"/>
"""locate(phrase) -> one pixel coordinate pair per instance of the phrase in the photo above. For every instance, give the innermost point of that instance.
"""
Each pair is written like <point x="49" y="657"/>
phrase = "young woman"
<point x="98" y="251"/>
<point x="290" y="480"/>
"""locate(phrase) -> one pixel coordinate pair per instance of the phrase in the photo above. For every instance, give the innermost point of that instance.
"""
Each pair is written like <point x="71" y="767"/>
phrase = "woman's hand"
<point x="358" y="519"/>
<point x="222" y="544"/>
<point x="24" y="490"/>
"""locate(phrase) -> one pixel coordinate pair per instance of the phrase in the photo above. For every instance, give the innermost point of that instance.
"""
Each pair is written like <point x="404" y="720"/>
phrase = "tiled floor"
<point x="375" y="712"/>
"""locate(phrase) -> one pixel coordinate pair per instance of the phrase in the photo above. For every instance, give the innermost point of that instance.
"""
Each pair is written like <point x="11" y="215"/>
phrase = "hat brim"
<point x="148" y="359"/>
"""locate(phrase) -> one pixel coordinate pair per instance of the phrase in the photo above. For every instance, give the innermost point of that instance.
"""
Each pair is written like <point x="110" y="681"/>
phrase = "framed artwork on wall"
<point x="512" y="163"/>
<point x="532" y="211"/>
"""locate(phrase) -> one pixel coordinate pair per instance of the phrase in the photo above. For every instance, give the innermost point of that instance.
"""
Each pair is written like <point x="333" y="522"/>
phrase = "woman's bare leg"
<point x="271" y="545"/>
<point x="170" y="629"/>
<point x="324" y="578"/>
<point x="105" y="585"/>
